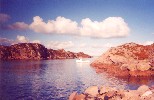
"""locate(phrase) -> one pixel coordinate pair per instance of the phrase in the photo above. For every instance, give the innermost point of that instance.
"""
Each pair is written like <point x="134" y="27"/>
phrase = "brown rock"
<point x="105" y="89"/>
<point x="127" y="60"/>
<point x="149" y="97"/>
<point x="92" y="90"/>
<point x="142" y="89"/>
<point x="131" y="95"/>
<point x="110" y="94"/>
<point x="72" y="96"/>
<point x="142" y="93"/>
<point x="147" y="93"/>
<point x="79" y="97"/>
<point x="35" y="51"/>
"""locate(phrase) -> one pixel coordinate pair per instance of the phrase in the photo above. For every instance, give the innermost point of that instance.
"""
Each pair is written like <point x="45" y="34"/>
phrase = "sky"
<point x="90" y="26"/>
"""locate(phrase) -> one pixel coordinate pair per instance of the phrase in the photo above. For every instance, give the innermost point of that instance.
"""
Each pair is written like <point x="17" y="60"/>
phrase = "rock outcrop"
<point x="107" y="93"/>
<point x="35" y="51"/>
<point x="128" y="59"/>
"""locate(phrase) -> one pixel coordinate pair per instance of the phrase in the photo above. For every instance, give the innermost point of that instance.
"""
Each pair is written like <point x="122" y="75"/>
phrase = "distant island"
<point x="35" y="51"/>
<point x="130" y="59"/>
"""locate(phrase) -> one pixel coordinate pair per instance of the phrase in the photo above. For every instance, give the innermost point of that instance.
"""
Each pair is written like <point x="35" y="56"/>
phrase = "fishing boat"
<point x="82" y="61"/>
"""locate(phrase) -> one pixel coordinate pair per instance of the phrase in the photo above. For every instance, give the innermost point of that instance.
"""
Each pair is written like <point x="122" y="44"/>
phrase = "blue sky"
<point x="108" y="23"/>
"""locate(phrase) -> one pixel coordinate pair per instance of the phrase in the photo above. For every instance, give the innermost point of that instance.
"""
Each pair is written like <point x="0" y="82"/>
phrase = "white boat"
<point x="82" y="61"/>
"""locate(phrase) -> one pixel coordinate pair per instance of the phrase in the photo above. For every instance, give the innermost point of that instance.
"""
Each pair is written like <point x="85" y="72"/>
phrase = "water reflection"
<point x="55" y="79"/>
<point x="135" y="82"/>
<point x="20" y="67"/>
<point x="129" y="82"/>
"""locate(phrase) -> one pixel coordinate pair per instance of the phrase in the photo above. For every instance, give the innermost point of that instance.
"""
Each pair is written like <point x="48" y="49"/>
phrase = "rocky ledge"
<point x="130" y="59"/>
<point x="35" y="51"/>
<point x="107" y="93"/>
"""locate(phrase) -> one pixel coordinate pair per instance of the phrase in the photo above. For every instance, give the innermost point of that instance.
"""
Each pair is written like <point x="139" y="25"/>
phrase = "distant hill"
<point x="129" y="59"/>
<point x="35" y="51"/>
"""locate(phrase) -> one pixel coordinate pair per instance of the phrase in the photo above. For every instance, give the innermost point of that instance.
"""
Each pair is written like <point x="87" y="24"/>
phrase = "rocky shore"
<point x="107" y="93"/>
<point x="35" y="51"/>
<point x="130" y="59"/>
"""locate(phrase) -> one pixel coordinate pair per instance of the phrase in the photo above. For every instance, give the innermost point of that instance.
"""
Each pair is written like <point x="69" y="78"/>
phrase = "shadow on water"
<point x="135" y="82"/>
<point x="16" y="78"/>
<point x="132" y="82"/>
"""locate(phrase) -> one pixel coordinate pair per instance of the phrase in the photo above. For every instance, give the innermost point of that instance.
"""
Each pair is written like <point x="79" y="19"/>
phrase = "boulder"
<point x="131" y="95"/>
<point x="142" y="89"/>
<point x="149" y="97"/>
<point x="132" y="67"/>
<point x="143" y="65"/>
<point x="124" y="66"/>
<point x="79" y="97"/>
<point x="105" y="89"/>
<point x="72" y="96"/>
<point x="92" y="90"/>
<point x="110" y="94"/>
<point x="147" y="93"/>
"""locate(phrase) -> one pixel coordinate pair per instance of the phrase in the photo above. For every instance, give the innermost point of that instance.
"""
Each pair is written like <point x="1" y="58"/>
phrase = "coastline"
<point x="117" y="71"/>
<point x="107" y="93"/>
<point x="129" y="59"/>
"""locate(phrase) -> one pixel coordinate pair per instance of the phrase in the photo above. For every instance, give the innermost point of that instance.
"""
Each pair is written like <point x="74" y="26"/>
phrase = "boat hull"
<point x="79" y="61"/>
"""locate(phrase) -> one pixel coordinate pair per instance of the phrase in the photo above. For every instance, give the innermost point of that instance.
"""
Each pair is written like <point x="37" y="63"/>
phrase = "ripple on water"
<point x="56" y="79"/>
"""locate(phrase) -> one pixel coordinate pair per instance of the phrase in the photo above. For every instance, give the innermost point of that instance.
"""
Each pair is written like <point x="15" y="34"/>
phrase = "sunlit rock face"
<point x="128" y="59"/>
<point x="108" y="93"/>
<point x="35" y="51"/>
<point x="24" y="51"/>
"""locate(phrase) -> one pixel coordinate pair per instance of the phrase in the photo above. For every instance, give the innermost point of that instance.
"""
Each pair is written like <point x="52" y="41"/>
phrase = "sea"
<point x="56" y="79"/>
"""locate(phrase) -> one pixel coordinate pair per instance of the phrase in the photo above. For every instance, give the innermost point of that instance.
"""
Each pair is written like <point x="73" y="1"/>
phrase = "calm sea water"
<point x="55" y="79"/>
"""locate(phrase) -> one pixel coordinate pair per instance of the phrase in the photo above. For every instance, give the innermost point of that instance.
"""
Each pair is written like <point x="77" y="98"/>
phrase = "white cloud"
<point x="36" y="41"/>
<point x="22" y="39"/>
<point x="4" y="18"/>
<point x="108" y="28"/>
<point x="18" y="26"/>
<point x="148" y="43"/>
<point x="60" y="26"/>
<point x="19" y="39"/>
<point x="59" y="45"/>
<point x="5" y="41"/>
<point x="107" y="45"/>
<point x="82" y="45"/>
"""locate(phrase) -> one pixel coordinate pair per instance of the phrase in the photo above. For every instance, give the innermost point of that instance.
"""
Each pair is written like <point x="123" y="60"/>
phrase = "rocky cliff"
<point x="128" y="59"/>
<point x="35" y="51"/>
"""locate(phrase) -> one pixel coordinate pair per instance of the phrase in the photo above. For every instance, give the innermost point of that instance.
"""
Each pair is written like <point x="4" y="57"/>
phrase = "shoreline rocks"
<point x="35" y="51"/>
<point x="107" y="93"/>
<point x="127" y="60"/>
